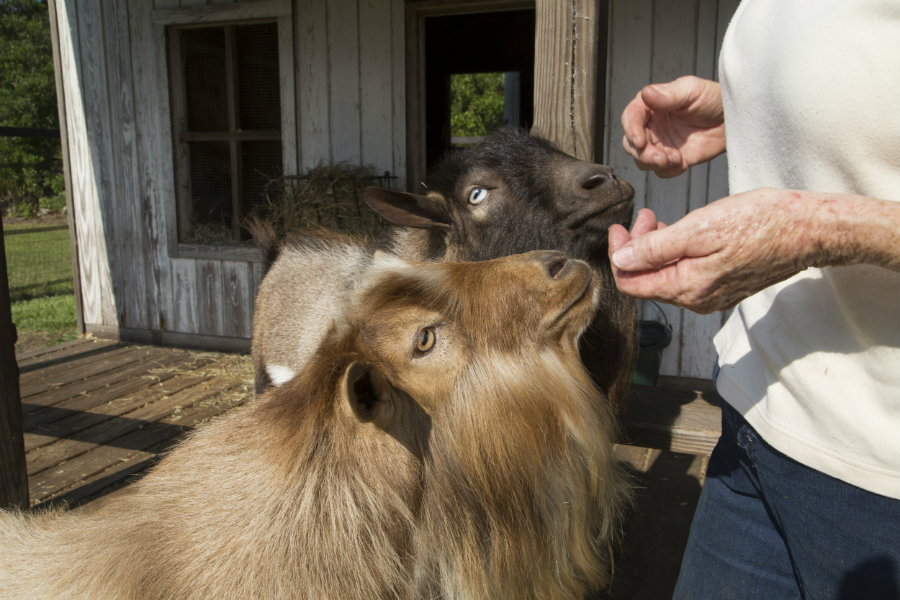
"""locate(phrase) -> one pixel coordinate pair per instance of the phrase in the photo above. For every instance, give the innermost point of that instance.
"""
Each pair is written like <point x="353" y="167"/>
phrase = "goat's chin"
<point x="577" y="313"/>
<point x="569" y="326"/>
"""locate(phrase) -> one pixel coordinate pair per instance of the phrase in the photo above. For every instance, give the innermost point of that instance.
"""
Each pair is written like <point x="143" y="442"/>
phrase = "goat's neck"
<point x="418" y="244"/>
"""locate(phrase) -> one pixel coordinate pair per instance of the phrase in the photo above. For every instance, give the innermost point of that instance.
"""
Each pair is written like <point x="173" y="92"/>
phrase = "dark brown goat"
<point x="510" y="194"/>
<point x="443" y="442"/>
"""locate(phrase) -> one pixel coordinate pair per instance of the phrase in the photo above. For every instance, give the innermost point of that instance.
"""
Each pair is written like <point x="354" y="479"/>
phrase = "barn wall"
<point x="137" y="281"/>
<point x="657" y="41"/>
<point x="343" y="100"/>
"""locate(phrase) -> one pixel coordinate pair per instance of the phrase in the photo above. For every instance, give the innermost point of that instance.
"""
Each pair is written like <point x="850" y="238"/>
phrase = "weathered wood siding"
<point x="656" y="41"/>
<point x="342" y="101"/>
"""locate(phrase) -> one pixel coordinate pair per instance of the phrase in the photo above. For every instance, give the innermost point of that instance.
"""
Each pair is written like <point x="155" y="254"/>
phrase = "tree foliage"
<point x="476" y="103"/>
<point x="30" y="168"/>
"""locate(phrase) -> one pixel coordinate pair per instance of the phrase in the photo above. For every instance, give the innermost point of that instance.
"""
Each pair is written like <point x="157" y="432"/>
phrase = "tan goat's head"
<point x="449" y="410"/>
<point x="425" y="324"/>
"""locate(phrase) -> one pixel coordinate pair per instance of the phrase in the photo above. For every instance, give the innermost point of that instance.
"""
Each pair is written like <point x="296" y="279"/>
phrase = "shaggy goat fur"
<point x="474" y="461"/>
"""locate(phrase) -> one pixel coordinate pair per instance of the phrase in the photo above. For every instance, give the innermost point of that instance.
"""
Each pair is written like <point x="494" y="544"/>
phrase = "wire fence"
<point x="38" y="260"/>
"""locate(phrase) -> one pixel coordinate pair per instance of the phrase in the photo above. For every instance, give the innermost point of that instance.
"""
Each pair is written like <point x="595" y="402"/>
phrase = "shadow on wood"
<point x="98" y="413"/>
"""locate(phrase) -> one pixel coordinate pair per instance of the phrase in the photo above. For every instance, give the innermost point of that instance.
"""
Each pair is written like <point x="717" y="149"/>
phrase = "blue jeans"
<point x="769" y="528"/>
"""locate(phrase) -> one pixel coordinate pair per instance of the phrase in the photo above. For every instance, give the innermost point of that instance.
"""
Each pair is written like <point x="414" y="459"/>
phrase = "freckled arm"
<point x="732" y="248"/>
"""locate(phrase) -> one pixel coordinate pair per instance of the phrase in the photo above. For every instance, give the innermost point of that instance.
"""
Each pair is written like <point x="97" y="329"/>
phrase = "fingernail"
<point x="623" y="258"/>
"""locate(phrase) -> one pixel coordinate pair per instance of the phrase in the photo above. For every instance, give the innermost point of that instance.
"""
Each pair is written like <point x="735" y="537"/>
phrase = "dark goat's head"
<point x="514" y="193"/>
<point x="510" y="194"/>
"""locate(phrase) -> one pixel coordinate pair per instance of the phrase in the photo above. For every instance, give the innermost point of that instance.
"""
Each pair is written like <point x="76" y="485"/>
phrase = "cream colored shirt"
<point x="811" y="91"/>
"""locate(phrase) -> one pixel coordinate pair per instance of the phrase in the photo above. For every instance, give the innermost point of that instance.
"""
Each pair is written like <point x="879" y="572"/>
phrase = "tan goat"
<point x="443" y="442"/>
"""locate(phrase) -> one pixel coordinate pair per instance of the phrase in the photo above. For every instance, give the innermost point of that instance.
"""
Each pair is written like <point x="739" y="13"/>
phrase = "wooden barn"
<point x="177" y="112"/>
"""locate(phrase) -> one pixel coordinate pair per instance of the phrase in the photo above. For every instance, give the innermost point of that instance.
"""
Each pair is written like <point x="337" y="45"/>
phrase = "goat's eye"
<point x="425" y="340"/>
<point x="478" y="195"/>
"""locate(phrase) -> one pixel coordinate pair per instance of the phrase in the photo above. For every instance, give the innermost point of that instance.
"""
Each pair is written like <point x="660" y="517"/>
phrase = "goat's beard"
<point x="525" y="478"/>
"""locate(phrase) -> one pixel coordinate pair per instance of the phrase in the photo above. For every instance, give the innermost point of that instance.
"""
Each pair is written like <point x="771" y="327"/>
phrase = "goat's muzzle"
<point x="571" y="291"/>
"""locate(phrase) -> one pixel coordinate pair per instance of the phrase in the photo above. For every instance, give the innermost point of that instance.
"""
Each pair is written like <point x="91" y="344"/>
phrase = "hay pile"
<point x="329" y="196"/>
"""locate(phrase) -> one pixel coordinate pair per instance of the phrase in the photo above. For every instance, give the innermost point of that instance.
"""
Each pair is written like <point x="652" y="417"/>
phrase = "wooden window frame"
<point x="227" y="16"/>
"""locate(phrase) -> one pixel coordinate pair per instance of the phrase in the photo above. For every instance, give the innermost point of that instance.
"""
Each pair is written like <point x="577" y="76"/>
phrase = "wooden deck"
<point x="99" y="413"/>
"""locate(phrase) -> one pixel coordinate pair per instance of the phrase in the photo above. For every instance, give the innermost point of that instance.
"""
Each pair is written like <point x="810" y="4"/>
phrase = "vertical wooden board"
<point x="312" y="92"/>
<point x="552" y="76"/>
<point x="286" y="71"/>
<point x="184" y="285"/>
<point x="565" y="74"/>
<point x="153" y="150"/>
<point x="698" y="353"/>
<point x="209" y="297"/>
<point x="375" y="85"/>
<point x="236" y="298"/>
<point x="344" y="76"/>
<point x="630" y="45"/>
<point x="97" y="107"/>
<point x="414" y="34"/>
<point x="706" y="39"/>
<point x="98" y="300"/>
<point x="585" y="71"/>
<point x="398" y="90"/>
<point x="130" y="240"/>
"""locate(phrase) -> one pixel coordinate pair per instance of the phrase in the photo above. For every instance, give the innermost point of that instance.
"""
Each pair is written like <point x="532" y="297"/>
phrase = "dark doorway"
<point x="492" y="42"/>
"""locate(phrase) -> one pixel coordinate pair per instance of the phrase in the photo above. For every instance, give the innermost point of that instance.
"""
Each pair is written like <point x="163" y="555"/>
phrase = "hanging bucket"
<point x="654" y="337"/>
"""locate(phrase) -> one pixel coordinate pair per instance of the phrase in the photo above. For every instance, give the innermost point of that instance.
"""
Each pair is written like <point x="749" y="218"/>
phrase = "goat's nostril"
<point x="556" y="265"/>
<point x="594" y="181"/>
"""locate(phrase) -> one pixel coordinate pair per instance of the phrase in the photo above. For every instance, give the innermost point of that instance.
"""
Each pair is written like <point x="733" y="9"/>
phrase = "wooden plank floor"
<point x="99" y="413"/>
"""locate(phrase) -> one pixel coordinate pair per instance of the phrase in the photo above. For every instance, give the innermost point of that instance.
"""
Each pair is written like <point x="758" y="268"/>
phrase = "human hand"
<point x="672" y="126"/>
<point x="721" y="253"/>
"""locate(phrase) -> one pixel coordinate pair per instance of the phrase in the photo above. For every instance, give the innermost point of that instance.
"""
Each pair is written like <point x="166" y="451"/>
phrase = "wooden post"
<point x="570" y="75"/>
<point x="13" y="474"/>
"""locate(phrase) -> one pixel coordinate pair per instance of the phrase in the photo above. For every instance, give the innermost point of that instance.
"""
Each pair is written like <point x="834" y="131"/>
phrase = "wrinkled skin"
<point x="726" y="251"/>
<point x="670" y="127"/>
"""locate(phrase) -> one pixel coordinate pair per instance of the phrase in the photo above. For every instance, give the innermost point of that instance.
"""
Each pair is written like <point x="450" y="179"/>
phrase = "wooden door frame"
<point x="570" y="64"/>
<point x="569" y="78"/>
<point x="416" y="13"/>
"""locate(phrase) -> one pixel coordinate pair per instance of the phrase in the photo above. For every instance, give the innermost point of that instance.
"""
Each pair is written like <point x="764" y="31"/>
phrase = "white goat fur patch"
<point x="278" y="374"/>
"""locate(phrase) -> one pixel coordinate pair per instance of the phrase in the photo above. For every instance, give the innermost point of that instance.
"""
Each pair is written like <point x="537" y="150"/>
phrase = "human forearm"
<point x="732" y="248"/>
<point x="849" y="229"/>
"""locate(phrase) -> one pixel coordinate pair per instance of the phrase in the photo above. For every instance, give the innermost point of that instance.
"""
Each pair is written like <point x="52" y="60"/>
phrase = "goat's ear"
<point x="369" y="394"/>
<point x="409" y="210"/>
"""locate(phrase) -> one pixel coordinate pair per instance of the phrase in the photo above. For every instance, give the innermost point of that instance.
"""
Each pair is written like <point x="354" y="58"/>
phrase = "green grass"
<point x="51" y="314"/>
<point x="38" y="264"/>
<point x="39" y="268"/>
